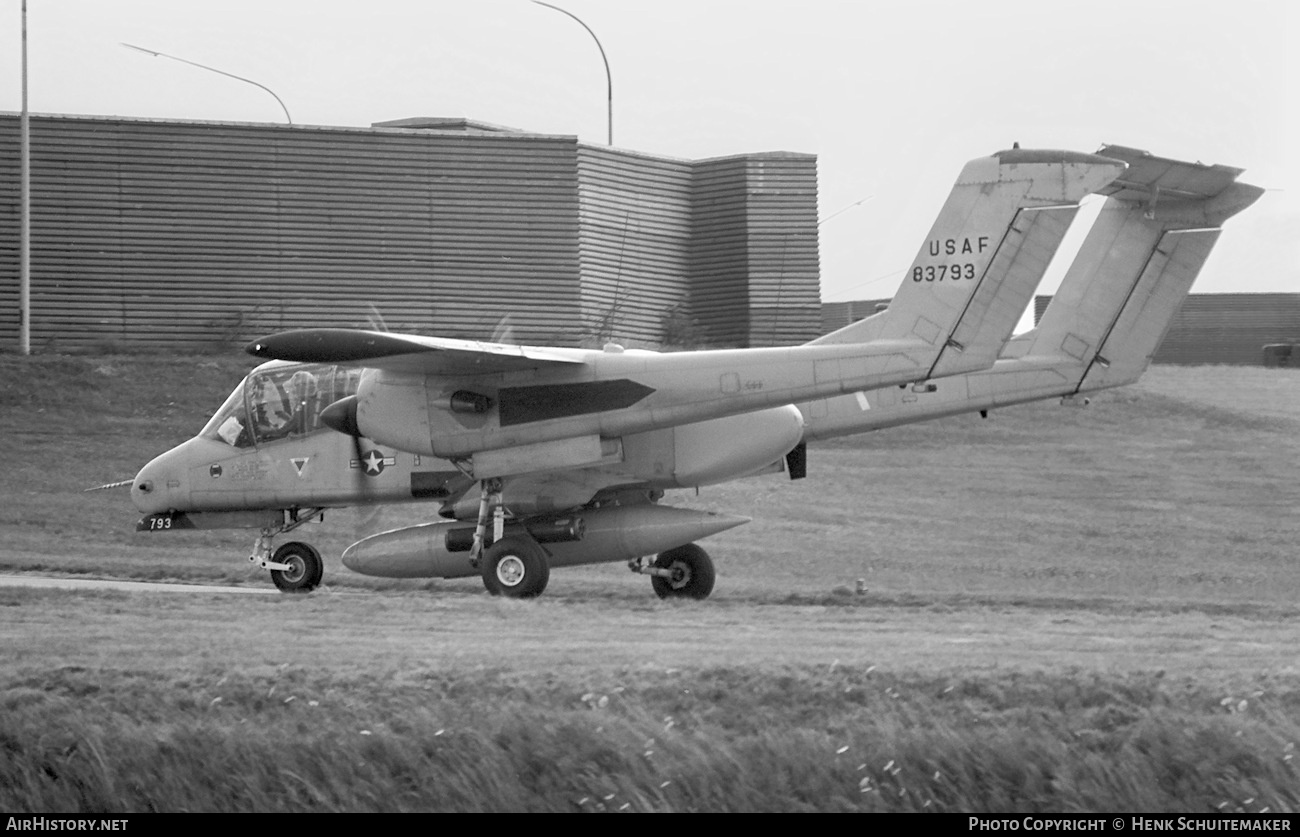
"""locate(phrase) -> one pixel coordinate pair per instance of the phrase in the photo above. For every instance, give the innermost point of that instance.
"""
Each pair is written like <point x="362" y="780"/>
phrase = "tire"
<point x="305" y="568"/>
<point x="515" y="567"/>
<point x="693" y="573"/>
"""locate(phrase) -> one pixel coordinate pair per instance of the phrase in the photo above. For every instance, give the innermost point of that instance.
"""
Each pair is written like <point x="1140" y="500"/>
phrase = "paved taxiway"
<point x="102" y="584"/>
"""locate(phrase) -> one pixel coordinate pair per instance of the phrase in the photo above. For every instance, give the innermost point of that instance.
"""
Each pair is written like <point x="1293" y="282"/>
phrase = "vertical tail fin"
<point x="1136" y="267"/>
<point x="1159" y="224"/>
<point x="984" y="256"/>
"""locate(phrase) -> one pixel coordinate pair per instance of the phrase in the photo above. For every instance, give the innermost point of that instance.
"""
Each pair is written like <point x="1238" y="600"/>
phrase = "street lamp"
<point x="157" y="54"/>
<point x="609" y="79"/>
<point x="25" y="213"/>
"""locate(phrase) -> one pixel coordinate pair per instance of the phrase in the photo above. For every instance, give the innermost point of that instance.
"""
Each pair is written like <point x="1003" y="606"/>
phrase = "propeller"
<point x="342" y="417"/>
<point x="376" y="320"/>
<point x="504" y="331"/>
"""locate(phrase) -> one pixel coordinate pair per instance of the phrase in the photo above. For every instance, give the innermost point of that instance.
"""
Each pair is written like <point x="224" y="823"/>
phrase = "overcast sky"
<point x="893" y="97"/>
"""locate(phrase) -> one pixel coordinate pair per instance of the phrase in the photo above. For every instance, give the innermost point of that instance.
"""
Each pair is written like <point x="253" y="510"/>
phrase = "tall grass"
<point x="720" y="739"/>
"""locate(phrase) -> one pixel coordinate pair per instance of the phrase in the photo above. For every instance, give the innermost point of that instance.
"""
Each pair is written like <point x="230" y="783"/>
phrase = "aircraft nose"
<point x="159" y="485"/>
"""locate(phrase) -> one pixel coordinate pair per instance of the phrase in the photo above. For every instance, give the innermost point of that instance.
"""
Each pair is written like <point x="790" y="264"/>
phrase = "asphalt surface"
<point x="104" y="584"/>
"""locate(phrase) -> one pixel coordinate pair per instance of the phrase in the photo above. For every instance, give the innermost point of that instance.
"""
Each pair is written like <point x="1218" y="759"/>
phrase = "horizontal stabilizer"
<point x="1148" y="175"/>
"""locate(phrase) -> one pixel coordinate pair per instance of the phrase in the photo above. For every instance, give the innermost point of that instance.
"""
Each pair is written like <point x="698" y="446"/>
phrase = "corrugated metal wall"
<point x="167" y="233"/>
<point x="1223" y="328"/>
<point x="784" y="263"/>
<point x="1230" y="328"/>
<point x="836" y="315"/>
<point x="190" y="232"/>
<point x="634" y="242"/>
<point x="755" y="254"/>
<point x="720" y="303"/>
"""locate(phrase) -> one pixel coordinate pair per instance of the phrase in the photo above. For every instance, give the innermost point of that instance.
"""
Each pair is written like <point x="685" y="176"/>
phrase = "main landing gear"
<point x="295" y="567"/>
<point x="515" y="566"/>
<point x="682" y="573"/>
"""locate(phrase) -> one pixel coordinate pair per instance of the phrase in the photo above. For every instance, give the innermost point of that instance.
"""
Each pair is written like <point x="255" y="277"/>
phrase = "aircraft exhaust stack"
<point x="617" y="533"/>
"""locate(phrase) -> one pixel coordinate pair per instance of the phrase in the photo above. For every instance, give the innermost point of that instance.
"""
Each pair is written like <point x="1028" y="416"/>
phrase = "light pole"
<point x="609" y="79"/>
<point x="157" y="54"/>
<point x="25" y="221"/>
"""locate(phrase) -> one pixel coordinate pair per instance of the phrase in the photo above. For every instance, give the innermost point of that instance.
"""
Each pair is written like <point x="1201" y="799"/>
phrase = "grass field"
<point x="1065" y="609"/>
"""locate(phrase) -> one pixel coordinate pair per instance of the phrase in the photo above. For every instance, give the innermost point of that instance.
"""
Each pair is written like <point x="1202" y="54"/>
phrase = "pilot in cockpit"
<point x="285" y="409"/>
<point x="302" y="396"/>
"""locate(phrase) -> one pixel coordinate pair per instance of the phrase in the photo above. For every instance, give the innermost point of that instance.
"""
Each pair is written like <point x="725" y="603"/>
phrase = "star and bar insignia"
<point x="373" y="463"/>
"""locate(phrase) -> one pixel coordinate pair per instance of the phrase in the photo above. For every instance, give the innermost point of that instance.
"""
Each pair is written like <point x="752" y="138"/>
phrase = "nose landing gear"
<point x="304" y="568"/>
<point x="295" y="567"/>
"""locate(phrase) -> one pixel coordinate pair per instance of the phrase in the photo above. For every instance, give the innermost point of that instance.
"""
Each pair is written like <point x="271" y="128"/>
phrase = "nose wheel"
<point x="303" y="568"/>
<point x="295" y="567"/>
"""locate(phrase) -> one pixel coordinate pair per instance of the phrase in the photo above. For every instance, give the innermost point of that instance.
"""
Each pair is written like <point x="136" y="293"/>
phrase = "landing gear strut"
<point x="685" y="572"/>
<point x="515" y="566"/>
<point x="295" y="567"/>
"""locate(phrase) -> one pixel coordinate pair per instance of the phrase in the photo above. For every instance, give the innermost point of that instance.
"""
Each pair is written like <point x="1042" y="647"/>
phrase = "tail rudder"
<point x="984" y="256"/>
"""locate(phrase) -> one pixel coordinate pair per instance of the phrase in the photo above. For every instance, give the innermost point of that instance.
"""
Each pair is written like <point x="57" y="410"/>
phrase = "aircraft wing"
<point x="405" y="352"/>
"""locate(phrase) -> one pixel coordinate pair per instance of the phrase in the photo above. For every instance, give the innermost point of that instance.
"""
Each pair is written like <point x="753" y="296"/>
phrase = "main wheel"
<point x="515" y="567"/>
<point x="305" y="568"/>
<point x="692" y="573"/>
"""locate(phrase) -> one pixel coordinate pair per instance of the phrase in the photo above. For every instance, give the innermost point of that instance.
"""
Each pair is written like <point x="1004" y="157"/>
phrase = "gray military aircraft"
<point x="572" y="449"/>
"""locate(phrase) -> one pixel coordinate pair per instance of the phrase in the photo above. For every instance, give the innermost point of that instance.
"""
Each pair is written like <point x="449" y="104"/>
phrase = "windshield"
<point x="279" y="401"/>
<point x="229" y="423"/>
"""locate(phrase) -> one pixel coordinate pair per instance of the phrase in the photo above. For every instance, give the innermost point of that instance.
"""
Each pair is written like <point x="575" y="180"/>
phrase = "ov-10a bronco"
<point x="540" y="458"/>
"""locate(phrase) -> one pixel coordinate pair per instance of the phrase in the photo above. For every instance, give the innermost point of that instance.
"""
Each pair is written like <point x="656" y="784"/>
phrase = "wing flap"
<point x="404" y="352"/>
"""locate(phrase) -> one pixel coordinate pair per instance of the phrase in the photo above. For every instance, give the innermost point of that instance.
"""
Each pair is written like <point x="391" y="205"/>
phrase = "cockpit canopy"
<point x="279" y="400"/>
